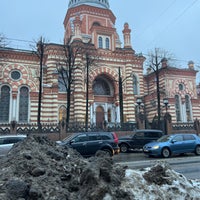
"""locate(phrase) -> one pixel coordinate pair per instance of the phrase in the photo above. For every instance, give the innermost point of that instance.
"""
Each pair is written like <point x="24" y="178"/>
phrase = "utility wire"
<point x="174" y="20"/>
<point x="19" y="40"/>
<point x="156" y="20"/>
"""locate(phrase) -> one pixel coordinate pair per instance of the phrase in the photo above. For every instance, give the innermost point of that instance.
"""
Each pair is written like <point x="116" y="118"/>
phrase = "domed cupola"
<point x="95" y="3"/>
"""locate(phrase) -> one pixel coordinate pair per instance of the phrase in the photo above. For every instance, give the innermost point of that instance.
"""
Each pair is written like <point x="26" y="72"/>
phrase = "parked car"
<point x="138" y="139"/>
<point x="7" y="141"/>
<point x="89" y="143"/>
<point x="169" y="145"/>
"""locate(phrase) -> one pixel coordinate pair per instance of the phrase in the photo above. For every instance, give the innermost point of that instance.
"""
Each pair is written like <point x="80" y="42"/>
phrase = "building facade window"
<point x="181" y="87"/>
<point x="107" y="43"/>
<point x="103" y="42"/>
<point x="15" y="75"/>
<point x="177" y="107"/>
<point x="100" y="42"/>
<point x="62" y="82"/>
<point x="4" y="104"/>
<point x="101" y="87"/>
<point x="62" y="113"/>
<point x="188" y="108"/>
<point x="24" y="105"/>
<point x="135" y="85"/>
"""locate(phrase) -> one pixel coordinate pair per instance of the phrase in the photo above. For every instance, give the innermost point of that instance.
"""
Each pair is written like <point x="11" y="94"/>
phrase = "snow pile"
<point x="160" y="183"/>
<point x="36" y="169"/>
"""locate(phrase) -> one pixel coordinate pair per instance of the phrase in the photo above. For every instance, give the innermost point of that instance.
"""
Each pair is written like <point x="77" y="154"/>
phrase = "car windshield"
<point x="69" y="137"/>
<point x="164" y="138"/>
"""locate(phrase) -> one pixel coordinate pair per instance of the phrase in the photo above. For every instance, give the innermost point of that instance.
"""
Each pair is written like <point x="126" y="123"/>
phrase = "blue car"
<point x="173" y="144"/>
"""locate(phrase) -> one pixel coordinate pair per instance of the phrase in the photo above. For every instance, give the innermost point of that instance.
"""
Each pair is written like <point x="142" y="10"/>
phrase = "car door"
<point x="138" y="140"/>
<point x="189" y="143"/>
<point x="79" y="143"/>
<point x="177" y="144"/>
<point x="94" y="143"/>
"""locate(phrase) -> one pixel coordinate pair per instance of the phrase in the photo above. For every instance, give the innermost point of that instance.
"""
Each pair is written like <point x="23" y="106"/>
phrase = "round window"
<point x="15" y="75"/>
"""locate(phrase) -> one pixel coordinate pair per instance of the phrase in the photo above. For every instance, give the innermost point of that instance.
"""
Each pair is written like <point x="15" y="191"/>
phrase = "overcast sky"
<point x="172" y="25"/>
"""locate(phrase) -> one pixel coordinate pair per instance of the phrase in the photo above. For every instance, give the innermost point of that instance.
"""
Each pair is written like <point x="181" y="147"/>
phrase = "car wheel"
<point x="123" y="148"/>
<point x="166" y="153"/>
<point x="197" y="150"/>
<point x="108" y="152"/>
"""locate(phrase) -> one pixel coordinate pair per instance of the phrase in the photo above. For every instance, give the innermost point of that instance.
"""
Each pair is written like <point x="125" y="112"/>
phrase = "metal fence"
<point x="61" y="127"/>
<point x="80" y="127"/>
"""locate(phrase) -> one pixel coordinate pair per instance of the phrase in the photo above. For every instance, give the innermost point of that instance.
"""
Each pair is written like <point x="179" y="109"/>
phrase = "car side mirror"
<point x="71" y="141"/>
<point x="173" y="141"/>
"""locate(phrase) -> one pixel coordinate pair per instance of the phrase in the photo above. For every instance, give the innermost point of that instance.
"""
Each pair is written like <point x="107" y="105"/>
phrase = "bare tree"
<point x="40" y="53"/>
<point x="154" y="62"/>
<point x="3" y="42"/>
<point x="73" y="53"/>
<point x="91" y="59"/>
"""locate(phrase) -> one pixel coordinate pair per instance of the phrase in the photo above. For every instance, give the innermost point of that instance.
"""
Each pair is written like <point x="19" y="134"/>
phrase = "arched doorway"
<point x="99" y="116"/>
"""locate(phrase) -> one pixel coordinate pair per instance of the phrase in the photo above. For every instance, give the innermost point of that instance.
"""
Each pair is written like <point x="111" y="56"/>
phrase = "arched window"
<point x="100" y="42"/>
<point x="4" y="104"/>
<point x="62" y="80"/>
<point x="181" y="86"/>
<point x="188" y="108"/>
<point x="23" y="104"/>
<point x="101" y="87"/>
<point x="135" y="85"/>
<point x="107" y="43"/>
<point x="62" y="113"/>
<point x="177" y="107"/>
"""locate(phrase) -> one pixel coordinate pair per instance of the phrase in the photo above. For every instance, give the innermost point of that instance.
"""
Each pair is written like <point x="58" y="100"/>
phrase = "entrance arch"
<point x="99" y="116"/>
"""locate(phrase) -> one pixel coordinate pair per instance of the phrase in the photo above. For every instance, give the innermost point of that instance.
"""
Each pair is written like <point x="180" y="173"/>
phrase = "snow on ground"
<point x="37" y="169"/>
<point x="160" y="183"/>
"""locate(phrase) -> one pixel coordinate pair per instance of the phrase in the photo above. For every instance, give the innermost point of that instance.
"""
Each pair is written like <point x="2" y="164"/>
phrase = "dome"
<point x="95" y="3"/>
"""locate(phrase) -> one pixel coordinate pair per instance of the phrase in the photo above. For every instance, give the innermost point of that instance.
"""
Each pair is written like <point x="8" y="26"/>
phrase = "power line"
<point x="157" y="19"/>
<point x="174" y="20"/>
<point x="19" y="40"/>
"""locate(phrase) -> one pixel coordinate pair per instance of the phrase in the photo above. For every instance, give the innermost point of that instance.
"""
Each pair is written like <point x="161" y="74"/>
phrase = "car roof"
<point x="148" y="130"/>
<point x="9" y="136"/>
<point x="183" y="134"/>
<point x="94" y="132"/>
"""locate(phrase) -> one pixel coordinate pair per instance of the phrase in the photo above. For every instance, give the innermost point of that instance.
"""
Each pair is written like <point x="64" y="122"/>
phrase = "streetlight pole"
<point x="158" y="90"/>
<point x="87" y="91"/>
<point x="121" y="97"/>
<point x="166" y="117"/>
<point x="41" y="55"/>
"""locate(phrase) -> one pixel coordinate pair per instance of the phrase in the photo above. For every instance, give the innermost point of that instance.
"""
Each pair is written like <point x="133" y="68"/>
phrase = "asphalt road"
<point x="188" y="165"/>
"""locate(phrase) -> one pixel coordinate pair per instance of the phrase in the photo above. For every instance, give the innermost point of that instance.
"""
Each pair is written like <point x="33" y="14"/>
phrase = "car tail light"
<point x="116" y="140"/>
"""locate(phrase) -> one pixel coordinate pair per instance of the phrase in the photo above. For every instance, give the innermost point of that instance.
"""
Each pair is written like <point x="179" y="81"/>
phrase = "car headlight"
<point x="155" y="147"/>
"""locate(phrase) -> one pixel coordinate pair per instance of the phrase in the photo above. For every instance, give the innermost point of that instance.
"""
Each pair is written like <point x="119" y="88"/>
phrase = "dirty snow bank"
<point x="160" y="182"/>
<point x="37" y="169"/>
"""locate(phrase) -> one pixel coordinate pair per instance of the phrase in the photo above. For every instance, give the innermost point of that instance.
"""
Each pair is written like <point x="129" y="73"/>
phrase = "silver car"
<point x="7" y="141"/>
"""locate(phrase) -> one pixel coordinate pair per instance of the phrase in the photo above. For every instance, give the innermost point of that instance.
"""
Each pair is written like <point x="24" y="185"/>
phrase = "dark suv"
<point x="138" y="139"/>
<point x="89" y="143"/>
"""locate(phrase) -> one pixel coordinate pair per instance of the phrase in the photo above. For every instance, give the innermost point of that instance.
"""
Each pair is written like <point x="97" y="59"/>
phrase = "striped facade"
<point x="89" y="22"/>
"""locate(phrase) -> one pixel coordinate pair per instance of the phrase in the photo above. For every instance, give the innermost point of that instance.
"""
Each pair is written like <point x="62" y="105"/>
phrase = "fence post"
<point x="62" y="128"/>
<point x="13" y="127"/>
<point x="197" y="126"/>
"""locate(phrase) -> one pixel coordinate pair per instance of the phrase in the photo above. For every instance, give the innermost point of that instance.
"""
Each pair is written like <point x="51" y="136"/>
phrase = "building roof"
<point x="95" y="3"/>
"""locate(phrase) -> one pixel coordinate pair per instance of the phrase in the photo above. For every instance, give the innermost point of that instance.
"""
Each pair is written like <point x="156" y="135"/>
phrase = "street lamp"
<point x="140" y="115"/>
<point x="139" y="103"/>
<point x="166" y="102"/>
